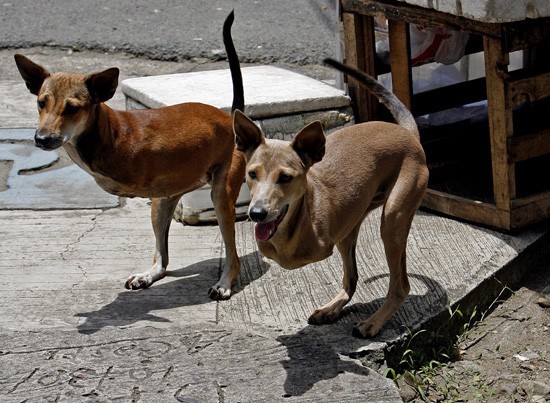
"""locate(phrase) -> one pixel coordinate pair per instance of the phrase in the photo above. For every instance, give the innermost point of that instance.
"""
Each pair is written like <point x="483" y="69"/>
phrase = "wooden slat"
<point x="360" y="53"/>
<point x="467" y="209"/>
<point x="528" y="89"/>
<point x="400" y="51"/>
<point x="529" y="146"/>
<point x="500" y="122"/>
<point x="449" y="96"/>
<point x="516" y="35"/>
<point x="530" y="210"/>
<point x="420" y="15"/>
<point x="519" y="35"/>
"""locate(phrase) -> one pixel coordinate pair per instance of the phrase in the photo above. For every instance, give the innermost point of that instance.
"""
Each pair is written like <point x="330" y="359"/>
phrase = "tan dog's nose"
<point x="257" y="214"/>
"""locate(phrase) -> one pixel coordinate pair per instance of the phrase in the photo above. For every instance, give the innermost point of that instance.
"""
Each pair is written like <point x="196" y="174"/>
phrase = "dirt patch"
<point x="503" y="358"/>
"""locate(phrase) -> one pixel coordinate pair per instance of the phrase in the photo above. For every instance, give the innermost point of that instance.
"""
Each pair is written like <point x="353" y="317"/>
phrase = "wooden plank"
<point x="516" y="35"/>
<point x="539" y="198"/>
<point x="530" y="210"/>
<point x="519" y="35"/>
<point x="400" y="53"/>
<point x="500" y="122"/>
<point x="395" y="10"/>
<point x="467" y="209"/>
<point x="528" y="89"/>
<point x="372" y="104"/>
<point x="529" y="146"/>
<point x="360" y="51"/>
<point x="449" y="96"/>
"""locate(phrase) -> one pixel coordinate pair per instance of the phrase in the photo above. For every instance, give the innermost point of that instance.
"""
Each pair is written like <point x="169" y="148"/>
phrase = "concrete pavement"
<point x="69" y="331"/>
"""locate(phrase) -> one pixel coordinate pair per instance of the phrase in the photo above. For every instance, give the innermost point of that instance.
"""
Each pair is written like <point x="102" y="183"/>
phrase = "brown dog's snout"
<point x="47" y="141"/>
<point x="257" y="213"/>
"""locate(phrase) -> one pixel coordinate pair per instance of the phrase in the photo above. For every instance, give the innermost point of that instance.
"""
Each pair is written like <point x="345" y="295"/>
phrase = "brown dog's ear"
<point x="102" y="85"/>
<point x="33" y="74"/>
<point x="248" y="136"/>
<point x="309" y="143"/>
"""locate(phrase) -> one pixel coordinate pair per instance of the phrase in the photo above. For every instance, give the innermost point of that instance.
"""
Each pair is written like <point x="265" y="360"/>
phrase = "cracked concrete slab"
<point x="194" y="363"/>
<point x="71" y="331"/>
<point x="63" y="275"/>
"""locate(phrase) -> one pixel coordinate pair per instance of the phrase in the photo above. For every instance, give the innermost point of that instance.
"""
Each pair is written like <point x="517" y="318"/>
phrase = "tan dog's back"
<point x="373" y="153"/>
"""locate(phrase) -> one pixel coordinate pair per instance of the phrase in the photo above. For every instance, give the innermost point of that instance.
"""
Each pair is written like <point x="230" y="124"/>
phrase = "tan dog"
<point x="157" y="153"/>
<point x="309" y="195"/>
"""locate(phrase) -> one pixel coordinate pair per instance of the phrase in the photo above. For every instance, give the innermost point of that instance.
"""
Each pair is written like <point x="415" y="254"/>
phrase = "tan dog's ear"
<point x="309" y="143"/>
<point x="248" y="136"/>
<point x="33" y="74"/>
<point x="102" y="85"/>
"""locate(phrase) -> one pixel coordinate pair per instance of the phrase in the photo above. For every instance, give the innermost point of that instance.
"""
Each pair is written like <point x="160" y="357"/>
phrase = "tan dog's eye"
<point x="252" y="175"/>
<point x="41" y="104"/>
<point x="284" y="178"/>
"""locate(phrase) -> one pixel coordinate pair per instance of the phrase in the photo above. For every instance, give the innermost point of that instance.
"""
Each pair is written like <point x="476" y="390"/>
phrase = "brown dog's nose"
<point x="46" y="141"/>
<point x="257" y="214"/>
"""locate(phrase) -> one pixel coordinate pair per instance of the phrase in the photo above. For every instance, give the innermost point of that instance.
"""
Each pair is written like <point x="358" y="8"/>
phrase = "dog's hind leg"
<point x="162" y="211"/>
<point x="397" y="217"/>
<point x="331" y="311"/>
<point x="397" y="292"/>
<point x="225" y="191"/>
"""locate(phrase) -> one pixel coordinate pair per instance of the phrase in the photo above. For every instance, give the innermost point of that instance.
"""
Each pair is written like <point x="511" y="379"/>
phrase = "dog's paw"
<point x="323" y="316"/>
<point x="366" y="329"/>
<point x="219" y="293"/>
<point x="136" y="282"/>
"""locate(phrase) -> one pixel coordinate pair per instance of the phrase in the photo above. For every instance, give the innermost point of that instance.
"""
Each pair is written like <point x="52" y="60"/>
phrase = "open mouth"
<point x="265" y="230"/>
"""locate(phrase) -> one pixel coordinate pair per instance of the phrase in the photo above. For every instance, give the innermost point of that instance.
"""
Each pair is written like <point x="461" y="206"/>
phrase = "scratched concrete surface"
<point x="69" y="331"/>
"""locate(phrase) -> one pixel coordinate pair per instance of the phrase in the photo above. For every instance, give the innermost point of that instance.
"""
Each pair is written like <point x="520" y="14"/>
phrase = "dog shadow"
<point x="190" y="289"/>
<point x="314" y="356"/>
<point x="321" y="353"/>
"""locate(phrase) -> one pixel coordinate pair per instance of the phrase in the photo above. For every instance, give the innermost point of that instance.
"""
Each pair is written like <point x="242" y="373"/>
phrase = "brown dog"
<point x="158" y="153"/>
<point x="313" y="193"/>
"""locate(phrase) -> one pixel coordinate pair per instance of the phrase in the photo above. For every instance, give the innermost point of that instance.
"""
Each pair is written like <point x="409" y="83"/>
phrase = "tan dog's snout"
<point x="268" y="196"/>
<point x="258" y="213"/>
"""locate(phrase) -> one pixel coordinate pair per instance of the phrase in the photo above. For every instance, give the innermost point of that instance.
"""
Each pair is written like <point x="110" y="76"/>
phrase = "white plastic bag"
<point x="436" y="45"/>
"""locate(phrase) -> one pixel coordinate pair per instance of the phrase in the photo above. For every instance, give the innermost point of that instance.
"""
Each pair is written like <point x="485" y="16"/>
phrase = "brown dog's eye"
<point x="284" y="178"/>
<point x="41" y="104"/>
<point x="71" y="109"/>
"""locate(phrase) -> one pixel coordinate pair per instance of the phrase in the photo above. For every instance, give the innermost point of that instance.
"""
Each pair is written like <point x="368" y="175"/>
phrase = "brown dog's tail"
<point x="400" y="113"/>
<point x="234" y="65"/>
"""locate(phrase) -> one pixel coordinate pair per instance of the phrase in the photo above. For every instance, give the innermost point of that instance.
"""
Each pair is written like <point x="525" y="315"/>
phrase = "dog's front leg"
<point x="162" y="211"/>
<point x="331" y="311"/>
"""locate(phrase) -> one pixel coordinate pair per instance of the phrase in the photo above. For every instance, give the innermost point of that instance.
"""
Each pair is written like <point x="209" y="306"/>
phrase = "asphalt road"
<point x="265" y="31"/>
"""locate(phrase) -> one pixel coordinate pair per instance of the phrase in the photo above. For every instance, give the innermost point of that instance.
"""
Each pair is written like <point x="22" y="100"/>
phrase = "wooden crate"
<point x="498" y="174"/>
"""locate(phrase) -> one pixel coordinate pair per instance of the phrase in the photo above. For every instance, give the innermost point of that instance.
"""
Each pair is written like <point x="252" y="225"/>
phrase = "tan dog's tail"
<point x="400" y="113"/>
<point x="234" y="65"/>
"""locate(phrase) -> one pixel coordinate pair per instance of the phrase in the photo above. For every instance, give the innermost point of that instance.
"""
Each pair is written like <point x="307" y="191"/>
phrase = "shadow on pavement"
<point x="318" y="353"/>
<point x="191" y="288"/>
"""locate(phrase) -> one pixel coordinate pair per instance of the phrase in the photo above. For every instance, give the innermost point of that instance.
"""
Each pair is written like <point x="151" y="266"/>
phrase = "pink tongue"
<point x="263" y="230"/>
